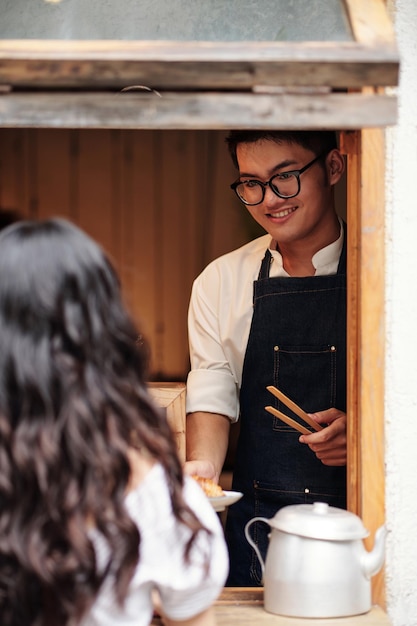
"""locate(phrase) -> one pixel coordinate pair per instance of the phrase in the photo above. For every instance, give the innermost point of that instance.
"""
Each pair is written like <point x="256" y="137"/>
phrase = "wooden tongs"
<point x="296" y="409"/>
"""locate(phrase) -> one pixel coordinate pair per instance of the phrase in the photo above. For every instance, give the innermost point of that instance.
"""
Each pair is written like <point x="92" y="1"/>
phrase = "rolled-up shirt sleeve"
<point x="213" y="392"/>
<point x="219" y="318"/>
<point x="211" y="384"/>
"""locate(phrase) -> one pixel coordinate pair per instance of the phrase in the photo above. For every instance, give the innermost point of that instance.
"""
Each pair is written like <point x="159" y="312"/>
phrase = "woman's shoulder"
<point x="149" y="503"/>
<point x="145" y="485"/>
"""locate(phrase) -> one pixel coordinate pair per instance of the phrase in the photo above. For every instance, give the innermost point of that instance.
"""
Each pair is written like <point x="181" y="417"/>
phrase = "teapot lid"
<point x="319" y="521"/>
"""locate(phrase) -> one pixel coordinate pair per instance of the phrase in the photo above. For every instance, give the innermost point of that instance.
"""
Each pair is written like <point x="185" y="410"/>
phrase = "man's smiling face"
<point x="310" y="212"/>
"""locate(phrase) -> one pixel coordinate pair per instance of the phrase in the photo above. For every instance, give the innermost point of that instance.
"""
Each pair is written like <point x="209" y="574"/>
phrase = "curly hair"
<point x="73" y="401"/>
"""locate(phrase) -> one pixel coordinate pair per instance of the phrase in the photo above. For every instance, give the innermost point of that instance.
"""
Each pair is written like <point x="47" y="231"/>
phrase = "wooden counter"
<point x="171" y="396"/>
<point x="244" y="607"/>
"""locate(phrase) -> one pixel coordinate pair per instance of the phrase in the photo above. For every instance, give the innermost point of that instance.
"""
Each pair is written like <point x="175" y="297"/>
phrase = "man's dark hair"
<point x="318" y="141"/>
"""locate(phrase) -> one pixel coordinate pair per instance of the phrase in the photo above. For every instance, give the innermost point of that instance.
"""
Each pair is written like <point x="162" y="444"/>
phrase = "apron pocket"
<point x="307" y="375"/>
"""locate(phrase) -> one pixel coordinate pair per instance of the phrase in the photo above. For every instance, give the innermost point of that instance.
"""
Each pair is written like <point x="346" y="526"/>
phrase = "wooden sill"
<point x="241" y="606"/>
<point x="244" y="607"/>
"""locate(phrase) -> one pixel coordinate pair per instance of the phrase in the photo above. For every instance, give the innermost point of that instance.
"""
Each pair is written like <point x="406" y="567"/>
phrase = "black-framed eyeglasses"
<point x="285" y="185"/>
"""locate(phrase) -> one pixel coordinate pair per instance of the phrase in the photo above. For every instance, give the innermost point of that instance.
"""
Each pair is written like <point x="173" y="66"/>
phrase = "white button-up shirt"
<point x="219" y="319"/>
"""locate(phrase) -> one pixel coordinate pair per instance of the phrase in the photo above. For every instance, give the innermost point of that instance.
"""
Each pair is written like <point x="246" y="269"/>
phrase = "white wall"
<point x="401" y="336"/>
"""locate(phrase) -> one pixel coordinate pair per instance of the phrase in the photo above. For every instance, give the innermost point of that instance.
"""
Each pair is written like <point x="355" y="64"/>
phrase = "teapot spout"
<point x="371" y="562"/>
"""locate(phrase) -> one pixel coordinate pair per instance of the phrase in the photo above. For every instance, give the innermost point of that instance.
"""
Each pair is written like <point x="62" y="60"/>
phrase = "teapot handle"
<point x="252" y="543"/>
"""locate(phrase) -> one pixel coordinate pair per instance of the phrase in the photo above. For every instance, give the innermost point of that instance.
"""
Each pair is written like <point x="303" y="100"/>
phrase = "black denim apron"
<point x="297" y="342"/>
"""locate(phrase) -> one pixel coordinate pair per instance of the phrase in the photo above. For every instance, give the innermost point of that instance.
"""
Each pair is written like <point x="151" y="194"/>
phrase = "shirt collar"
<point x="325" y="261"/>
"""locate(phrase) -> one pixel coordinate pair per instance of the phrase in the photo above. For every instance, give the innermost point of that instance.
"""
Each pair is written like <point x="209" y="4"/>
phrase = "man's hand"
<point x="205" y="469"/>
<point x="207" y="437"/>
<point x="329" y="444"/>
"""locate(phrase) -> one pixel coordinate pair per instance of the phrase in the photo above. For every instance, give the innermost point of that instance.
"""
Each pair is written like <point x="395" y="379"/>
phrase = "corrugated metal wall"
<point x="158" y="201"/>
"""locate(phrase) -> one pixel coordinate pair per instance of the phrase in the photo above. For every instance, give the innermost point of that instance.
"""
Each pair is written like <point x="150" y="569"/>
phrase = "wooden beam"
<point x="196" y="65"/>
<point x="196" y="110"/>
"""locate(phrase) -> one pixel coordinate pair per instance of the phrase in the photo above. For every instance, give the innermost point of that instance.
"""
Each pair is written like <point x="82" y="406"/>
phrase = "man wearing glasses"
<point x="273" y="312"/>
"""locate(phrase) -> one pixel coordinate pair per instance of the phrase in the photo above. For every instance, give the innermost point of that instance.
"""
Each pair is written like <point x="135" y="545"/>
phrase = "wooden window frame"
<point x="61" y="84"/>
<point x="79" y="84"/>
<point x="365" y="152"/>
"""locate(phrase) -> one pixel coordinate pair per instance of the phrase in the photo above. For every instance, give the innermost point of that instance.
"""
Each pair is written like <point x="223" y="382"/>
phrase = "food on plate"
<point x="210" y="488"/>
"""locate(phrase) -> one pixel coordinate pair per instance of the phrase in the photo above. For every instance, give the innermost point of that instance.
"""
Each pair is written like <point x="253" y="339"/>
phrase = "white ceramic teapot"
<point x="316" y="564"/>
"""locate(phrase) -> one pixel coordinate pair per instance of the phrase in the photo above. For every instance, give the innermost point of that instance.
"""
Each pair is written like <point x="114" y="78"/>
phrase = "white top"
<point x="219" y="319"/>
<point x="184" y="589"/>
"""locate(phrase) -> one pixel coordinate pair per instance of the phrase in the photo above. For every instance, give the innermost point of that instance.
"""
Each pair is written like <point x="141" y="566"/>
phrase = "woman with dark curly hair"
<point x="95" y="513"/>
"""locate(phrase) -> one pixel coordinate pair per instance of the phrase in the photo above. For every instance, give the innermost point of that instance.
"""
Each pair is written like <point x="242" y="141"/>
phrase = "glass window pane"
<point x="176" y="20"/>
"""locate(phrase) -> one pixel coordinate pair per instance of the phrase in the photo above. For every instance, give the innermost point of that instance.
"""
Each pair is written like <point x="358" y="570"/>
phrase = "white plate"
<point x="221" y="502"/>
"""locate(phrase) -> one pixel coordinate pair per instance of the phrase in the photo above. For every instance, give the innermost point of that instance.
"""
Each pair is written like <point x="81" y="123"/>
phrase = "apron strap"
<point x="265" y="265"/>
<point x="341" y="269"/>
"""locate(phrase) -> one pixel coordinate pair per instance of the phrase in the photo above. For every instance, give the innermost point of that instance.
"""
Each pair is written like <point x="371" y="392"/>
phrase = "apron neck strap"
<point x="266" y="262"/>
<point x="341" y="268"/>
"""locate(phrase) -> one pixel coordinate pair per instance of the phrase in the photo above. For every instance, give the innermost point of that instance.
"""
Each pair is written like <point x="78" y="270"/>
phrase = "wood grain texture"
<point x="157" y="201"/>
<point x="194" y="111"/>
<point x="371" y="340"/>
<point x="248" y="615"/>
<point x="171" y="396"/>
<point x="243" y="606"/>
<point x="191" y="65"/>
<point x="366" y="333"/>
<point x="350" y="146"/>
